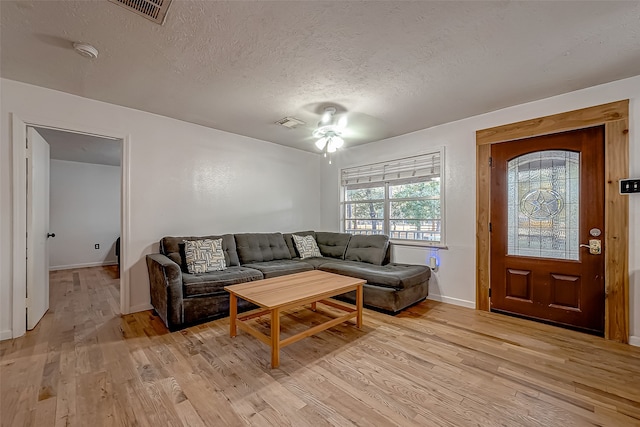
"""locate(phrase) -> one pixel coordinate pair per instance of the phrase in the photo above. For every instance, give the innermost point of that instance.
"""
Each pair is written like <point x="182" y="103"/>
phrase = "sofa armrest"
<point x="165" y="278"/>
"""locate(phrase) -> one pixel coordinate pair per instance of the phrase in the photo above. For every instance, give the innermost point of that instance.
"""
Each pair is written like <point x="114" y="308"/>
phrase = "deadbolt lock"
<point x="595" y="246"/>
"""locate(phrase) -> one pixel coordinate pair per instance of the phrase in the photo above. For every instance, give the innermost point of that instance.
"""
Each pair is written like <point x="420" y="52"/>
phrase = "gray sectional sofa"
<point x="182" y="299"/>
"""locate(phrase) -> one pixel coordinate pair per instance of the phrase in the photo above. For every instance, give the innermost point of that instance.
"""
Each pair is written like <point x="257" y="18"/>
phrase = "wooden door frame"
<point x="615" y="118"/>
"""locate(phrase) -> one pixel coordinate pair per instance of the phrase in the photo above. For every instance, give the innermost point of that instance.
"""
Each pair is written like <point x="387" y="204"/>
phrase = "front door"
<point x="547" y="207"/>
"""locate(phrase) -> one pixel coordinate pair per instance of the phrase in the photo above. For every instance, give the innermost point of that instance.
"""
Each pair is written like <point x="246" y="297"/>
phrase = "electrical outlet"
<point x="628" y="186"/>
<point x="97" y="246"/>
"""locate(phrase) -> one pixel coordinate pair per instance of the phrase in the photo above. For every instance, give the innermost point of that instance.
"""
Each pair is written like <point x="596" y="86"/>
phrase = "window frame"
<point x="386" y="201"/>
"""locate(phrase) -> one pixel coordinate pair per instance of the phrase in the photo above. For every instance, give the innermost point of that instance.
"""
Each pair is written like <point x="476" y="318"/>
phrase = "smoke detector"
<point x="86" y="50"/>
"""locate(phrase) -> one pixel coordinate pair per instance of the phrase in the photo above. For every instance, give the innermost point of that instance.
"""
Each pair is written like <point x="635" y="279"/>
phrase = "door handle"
<point x="51" y="235"/>
<point x="595" y="246"/>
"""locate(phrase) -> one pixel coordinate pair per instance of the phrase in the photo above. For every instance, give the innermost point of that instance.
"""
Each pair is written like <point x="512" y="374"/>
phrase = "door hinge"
<point x="490" y="161"/>
<point x="490" y="228"/>
<point x="489" y="292"/>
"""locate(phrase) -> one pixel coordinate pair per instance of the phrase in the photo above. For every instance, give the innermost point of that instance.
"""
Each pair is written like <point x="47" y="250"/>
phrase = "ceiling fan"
<point x="330" y="131"/>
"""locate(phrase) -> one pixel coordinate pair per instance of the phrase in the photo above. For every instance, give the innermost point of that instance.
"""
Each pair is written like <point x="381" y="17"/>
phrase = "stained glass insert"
<point x="543" y="200"/>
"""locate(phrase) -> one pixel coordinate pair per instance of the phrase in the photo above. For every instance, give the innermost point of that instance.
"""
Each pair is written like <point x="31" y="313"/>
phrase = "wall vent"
<point x="154" y="10"/>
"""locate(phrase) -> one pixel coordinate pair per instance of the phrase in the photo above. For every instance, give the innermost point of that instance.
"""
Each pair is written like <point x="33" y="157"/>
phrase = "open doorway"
<point x="119" y="144"/>
<point x="83" y="183"/>
<point x="85" y="175"/>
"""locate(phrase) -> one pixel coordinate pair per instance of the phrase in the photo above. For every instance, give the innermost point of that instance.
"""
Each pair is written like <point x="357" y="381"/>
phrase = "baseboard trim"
<point x="634" y="340"/>
<point x="140" y="307"/>
<point x="454" y="301"/>
<point x="6" y="335"/>
<point x="86" y="265"/>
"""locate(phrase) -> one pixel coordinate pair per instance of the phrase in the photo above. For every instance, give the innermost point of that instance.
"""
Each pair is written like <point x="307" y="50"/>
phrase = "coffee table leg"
<point x="359" y="298"/>
<point x="233" y="314"/>
<point x="275" y="338"/>
<point x="313" y="306"/>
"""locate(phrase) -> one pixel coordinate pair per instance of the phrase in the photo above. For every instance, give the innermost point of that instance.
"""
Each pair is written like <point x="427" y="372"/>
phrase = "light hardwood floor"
<point x="433" y="365"/>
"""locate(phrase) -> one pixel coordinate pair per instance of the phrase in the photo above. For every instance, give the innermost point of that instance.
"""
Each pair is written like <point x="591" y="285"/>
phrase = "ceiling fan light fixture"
<point x="319" y="132"/>
<point x="327" y="115"/>
<point x="329" y="131"/>
<point x="321" y="143"/>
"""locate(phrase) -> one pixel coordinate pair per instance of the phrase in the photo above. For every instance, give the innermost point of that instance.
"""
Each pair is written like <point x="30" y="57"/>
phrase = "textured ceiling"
<point x="394" y="67"/>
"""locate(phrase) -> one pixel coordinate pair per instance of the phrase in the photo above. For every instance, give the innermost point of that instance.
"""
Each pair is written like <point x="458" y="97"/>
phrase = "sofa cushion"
<point x="395" y="276"/>
<point x="173" y="247"/>
<point x="332" y="245"/>
<point x="386" y="299"/>
<point x="204" y="255"/>
<point x="215" y="281"/>
<point x="280" y="267"/>
<point x="259" y="247"/>
<point x="316" y="262"/>
<point x="288" y="238"/>
<point x="306" y="246"/>
<point x="369" y="249"/>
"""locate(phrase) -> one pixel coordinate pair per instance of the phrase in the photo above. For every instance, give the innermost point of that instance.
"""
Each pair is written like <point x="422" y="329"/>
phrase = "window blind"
<point x="397" y="171"/>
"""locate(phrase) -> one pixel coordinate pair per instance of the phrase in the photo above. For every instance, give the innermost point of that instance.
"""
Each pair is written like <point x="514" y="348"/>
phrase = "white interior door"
<point x="37" y="227"/>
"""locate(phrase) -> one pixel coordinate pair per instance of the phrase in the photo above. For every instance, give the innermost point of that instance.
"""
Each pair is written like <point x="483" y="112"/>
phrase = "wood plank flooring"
<point x="433" y="365"/>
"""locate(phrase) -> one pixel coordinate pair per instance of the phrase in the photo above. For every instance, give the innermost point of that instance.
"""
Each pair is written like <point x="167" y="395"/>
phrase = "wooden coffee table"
<point x="281" y="293"/>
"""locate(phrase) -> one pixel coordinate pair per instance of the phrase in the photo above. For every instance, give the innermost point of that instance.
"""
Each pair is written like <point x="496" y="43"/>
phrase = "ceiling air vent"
<point x="290" y="122"/>
<point x="154" y="10"/>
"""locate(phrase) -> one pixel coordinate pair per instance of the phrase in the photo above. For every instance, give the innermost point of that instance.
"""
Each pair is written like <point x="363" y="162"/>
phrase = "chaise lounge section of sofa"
<point x="181" y="298"/>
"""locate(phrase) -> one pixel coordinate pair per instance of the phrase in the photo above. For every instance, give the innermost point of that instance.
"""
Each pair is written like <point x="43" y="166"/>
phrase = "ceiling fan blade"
<point x="342" y="122"/>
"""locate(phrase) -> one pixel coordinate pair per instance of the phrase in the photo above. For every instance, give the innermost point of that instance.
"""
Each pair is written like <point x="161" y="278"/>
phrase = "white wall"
<point x="187" y="179"/>
<point x="184" y="179"/>
<point x="85" y="210"/>
<point x="455" y="280"/>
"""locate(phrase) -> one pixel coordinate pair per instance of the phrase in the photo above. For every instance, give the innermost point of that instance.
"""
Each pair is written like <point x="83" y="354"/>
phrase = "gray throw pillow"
<point x="204" y="255"/>
<point x="306" y="246"/>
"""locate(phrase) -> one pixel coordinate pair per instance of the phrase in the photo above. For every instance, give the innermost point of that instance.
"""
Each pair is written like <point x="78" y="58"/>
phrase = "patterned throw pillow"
<point x="307" y="246"/>
<point x="204" y="255"/>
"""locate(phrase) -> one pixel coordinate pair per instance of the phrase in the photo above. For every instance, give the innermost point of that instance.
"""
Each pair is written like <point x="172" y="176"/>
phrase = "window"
<point x="400" y="198"/>
<point x="543" y="196"/>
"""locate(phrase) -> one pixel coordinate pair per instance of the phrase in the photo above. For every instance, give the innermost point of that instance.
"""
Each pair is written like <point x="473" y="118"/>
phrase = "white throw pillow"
<point x="307" y="246"/>
<point x="204" y="255"/>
